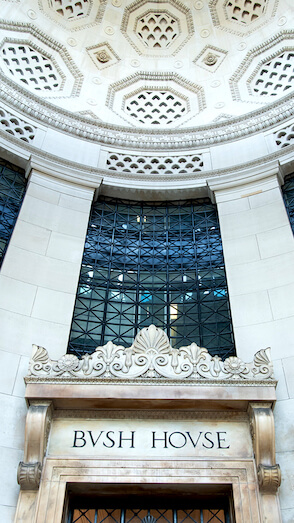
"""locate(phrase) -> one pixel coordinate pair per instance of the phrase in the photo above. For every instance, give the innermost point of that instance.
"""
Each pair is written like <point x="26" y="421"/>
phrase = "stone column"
<point x="259" y="258"/>
<point x="38" y="284"/>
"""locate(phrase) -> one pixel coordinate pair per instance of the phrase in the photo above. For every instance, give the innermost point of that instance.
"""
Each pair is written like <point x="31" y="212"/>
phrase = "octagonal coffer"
<point x="157" y="27"/>
<point x="274" y="78"/>
<point x="71" y="9"/>
<point x="241" y="16"/>
<point x="157" y="30"/>
<point x="30" y="67"/>
<point x="74" y="14"/>
<point x="39" y="64"/>
<point x="155" y="99"/>
<point x="245" y="11"/>
<point x="267" y="71"/>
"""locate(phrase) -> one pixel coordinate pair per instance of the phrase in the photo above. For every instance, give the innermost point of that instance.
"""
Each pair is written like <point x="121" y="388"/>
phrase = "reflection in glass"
<point x="288" y="193"/>
<point x="12" y="189"/>
<point x="158" y="263"/>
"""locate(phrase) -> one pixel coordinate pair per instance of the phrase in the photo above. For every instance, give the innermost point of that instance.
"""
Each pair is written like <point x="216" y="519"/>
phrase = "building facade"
<point x="145" y="103"/>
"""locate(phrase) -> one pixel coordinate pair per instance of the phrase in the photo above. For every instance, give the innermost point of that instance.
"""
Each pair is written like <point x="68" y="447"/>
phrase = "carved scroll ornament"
<point x="151" y="356"/>
<point x="269" y="478"/>
<point x="36" y="436"/>
<point x="29" y="475"/>
<point x="263" y="436"/>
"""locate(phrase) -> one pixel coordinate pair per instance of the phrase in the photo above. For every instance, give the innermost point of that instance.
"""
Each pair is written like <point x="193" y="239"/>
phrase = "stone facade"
<point x="76" y="141"/>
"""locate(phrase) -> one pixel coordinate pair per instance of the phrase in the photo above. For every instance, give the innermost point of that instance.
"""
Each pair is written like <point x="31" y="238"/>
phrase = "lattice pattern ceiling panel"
<point x="157" y="27"/>
<point x="71" y="9"/>
<point x="156" y="107"/>
<point x="101" y="59"/>
<point x="31" y="67"/>
<point x="267" y="72"/>
<point x="168" y="100"/>
<point x="74" y="14"/>
<point x="245" y="11"/>
<point x="242" y="16"/>
<point x="157" y="30"/>
<point x="275" y="77"/>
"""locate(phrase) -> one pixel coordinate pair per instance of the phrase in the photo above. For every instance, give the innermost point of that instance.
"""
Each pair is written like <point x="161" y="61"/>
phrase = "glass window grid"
<point x="288" y="193"/>
<point x="158" y="263"/>
<point x="12" y="190"/>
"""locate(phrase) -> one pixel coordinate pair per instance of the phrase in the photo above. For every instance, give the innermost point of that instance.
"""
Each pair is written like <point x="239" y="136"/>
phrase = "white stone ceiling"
<point x="161" y="64"/>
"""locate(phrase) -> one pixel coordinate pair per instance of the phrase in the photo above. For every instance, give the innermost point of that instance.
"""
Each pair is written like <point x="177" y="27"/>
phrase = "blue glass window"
<point x="12" y="190"/>
<point x="288" y="192"/>
<point x="158" y="263"/>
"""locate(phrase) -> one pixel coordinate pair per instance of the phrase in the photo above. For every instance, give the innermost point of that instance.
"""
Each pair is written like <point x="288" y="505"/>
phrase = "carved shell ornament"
<point x="151" y="356"/>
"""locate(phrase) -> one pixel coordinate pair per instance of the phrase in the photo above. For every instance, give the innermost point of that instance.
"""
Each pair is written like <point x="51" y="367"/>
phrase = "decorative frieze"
<point x="284" y="137"/>
<point x="151" y="357"/>
<point x="162" y="165"/>
<point x="17" y="127"/>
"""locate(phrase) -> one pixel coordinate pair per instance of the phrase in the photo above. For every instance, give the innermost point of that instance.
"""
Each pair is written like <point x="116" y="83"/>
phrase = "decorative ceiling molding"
<point x="90" y="176"/>
<point x="103" y="55"/>
<point x="152" y="358"/>
<point x="285" y="136"/>
<point x="242" y="17"/>
<point x="47" y="114"/>
<point x="58" y="54"/>
<point x="17" y="127"/>
<point x="259" y="51"/>
<point x="210" y="58"/>
<point x="274" y="76"/>
<point x="31" y="66"/>
<point x="137" y="27"/>
<point x="172" y="89"/>
<point x="155" y="77"/>
<point x="75" y="22"/>
<point x="154" y="165"/>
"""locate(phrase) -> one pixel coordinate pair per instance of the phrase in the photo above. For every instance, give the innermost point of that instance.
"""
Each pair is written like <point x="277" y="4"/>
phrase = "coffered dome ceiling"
<point x="161" y="64"/>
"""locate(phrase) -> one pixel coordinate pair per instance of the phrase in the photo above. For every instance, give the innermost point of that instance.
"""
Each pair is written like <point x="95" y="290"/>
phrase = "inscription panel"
<point x="149" y="438"/>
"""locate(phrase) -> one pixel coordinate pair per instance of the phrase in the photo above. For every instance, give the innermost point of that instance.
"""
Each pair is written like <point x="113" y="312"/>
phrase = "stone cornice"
<point x="49" y="115"/>
<point x="151" y="359"/>
<point x="93" y="176"/>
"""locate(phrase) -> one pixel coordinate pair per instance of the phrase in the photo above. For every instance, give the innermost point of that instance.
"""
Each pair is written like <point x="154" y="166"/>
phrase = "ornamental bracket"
<point x="36" y="436"/>
<point x="263" y="436"/>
